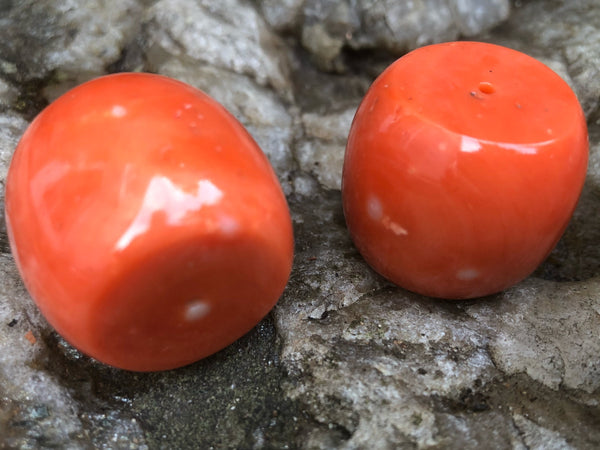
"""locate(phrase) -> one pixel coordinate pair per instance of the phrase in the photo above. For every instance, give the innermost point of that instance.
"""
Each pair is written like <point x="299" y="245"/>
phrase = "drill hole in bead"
<point x="486" y="87"/>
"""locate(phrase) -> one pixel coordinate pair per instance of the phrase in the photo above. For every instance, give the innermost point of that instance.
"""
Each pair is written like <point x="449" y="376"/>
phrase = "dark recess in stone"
<point x="5" y="6"/>
<point x="181" y="408"/>
<point x="30" y="101"/>
<point x="131" y="58"/>
<point x="315" y="90"/>
<point x="4" y="244"/>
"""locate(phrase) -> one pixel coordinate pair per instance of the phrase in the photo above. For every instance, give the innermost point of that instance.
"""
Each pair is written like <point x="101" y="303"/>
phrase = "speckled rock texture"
<point x="346" y="359"/>
<point x="327" y="27"/>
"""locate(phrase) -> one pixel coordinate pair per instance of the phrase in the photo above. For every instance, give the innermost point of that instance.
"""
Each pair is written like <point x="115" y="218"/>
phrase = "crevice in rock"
<point x="31" y="101"/>
<point x="249" y="375"/>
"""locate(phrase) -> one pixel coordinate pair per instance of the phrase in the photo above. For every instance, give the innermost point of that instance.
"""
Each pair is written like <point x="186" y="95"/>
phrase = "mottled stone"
<point x="321" y="151"/>
<point x="281" y="15"/>
<point x="36" y="409"/>
<point x="70" y="36"/>
<point x="11" y="128"/>
<point x="8" y="94"/>
<point x="383" y="367"/>
<point x="536" y="437"/>
<point x="548" y="331"/>
<point x="227" y="34"/>
<point x="346" y="360"/>
<point x="326" y="27"/>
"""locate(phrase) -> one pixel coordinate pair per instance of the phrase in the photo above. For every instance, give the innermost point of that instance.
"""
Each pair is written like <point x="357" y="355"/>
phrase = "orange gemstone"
<point x="463" y="167"/>
<point x="148" y="226"/>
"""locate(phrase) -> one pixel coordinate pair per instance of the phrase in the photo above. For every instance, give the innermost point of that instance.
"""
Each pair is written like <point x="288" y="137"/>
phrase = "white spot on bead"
<point x="467" y="274"/>
<point x="395" y="228"/>
<point x="374" y="208"/>
<point x="229" y="225"/>
<point x="118" y="111"/>
<point x="375" y="212"/>
<point x="196" y="310"/>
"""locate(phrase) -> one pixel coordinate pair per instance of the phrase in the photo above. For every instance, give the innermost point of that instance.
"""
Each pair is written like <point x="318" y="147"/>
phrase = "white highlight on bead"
<point x="118" y="111"/>
<point x="472" y="145"/>
<point x="196" y="310"/>
<point x="469" y="145"/>
<point x="467" y="274"/>
<point x="519" y="148"/>
<point x="165" y="197"/>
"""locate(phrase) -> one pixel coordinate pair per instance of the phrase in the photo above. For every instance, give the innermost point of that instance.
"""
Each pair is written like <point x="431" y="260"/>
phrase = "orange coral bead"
<point x="148" y="226"/>
<point x="463" y="167"/>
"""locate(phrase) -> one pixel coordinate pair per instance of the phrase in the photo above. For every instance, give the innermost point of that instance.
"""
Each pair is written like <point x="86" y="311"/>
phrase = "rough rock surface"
<point x="71" y="36"/>
<point x="327" y="27"/>
<point x="227" y="34"/>
<point x="346" y="360"/>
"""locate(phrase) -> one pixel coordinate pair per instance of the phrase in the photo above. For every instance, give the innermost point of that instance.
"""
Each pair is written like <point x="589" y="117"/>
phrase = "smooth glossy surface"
<point x="463" y="167"/>
<point x="147" y="224"/>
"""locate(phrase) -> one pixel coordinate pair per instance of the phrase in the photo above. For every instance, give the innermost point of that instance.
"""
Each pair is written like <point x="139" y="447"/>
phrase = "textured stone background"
<point x="345" y="360"/>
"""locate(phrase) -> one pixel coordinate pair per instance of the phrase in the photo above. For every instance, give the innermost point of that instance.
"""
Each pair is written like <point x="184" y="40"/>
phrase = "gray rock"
<point x="326" y="27"/>
<point x="37" y="408"/>
<point x="384" y="368"/>
<point x="281" y="15"/>
<point x="546" y="330"/>
<point x="346" y="360"/>
<point x="12" y="127"/>
<point x="8" y="94"/>
<point x="71" y="36"/>
<point x="321" y="151"/>
<point x="227" y="34"/>
<point x="538" y="438"/>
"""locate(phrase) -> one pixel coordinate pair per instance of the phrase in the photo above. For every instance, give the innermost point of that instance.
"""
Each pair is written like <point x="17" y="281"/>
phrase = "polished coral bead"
<point x="147" y="224"/>
<point x="463" y="166"/>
